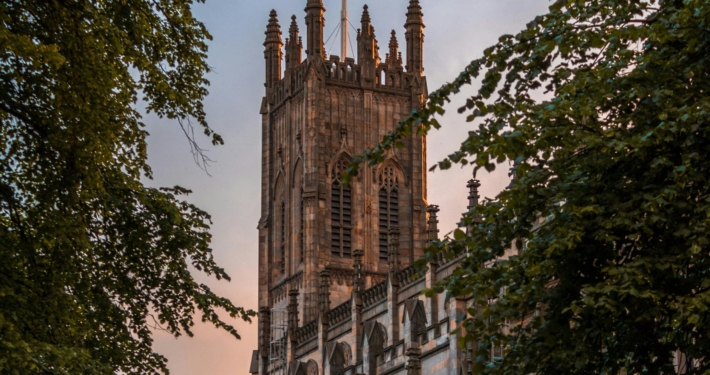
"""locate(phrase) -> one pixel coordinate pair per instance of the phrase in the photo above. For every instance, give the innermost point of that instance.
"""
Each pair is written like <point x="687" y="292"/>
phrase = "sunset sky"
<point x="457" y="31"/>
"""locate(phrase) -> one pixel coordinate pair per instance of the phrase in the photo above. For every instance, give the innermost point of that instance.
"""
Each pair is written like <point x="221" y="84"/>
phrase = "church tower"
<point x="321" y="242"/>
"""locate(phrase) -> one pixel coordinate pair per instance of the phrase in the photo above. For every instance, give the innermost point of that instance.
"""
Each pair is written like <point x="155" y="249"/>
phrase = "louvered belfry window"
<point x="389" y="207"/>
<point x="301" y="236"/>
<point x="341" y="214"/>
<point x="283" y="238"/>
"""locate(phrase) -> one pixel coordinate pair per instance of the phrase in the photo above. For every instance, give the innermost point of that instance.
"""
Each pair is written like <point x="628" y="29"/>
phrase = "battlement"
<point x="347" y="74"/>
<point x="369" y="71"/>
<point x="383" y="78"/>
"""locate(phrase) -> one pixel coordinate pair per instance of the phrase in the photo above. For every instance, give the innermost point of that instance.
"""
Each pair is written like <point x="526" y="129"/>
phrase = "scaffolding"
<point x="277" y="347"/>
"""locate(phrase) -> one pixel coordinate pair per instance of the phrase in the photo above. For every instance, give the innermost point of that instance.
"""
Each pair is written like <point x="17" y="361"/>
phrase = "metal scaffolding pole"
<point x="277" y="347"/>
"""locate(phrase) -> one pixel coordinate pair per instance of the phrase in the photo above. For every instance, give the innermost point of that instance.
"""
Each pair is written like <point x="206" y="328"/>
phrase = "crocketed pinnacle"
<point x="432" y="223"/>
<point x="365" y="16"/>
<point x="273" y="29"/>
<point x="293" y="30"/>
<point x="394" y="44"/>
<point x="294" y="46"/>
<point x="393" y="56"/>
<point x="314" y="4"/>
<point x="414" y="13"/>
<point x="473" y="195"/>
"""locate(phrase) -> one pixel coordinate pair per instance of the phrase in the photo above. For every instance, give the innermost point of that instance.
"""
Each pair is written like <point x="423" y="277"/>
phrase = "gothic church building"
<point x="337" y="290"/>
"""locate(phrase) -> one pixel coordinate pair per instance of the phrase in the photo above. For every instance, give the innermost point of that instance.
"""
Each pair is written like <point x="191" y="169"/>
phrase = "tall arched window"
<point x="298" y="248"/>
<point x="278" y="265"/>
<point x="341" y="213"/>
<point x="282" y="245"/>
<point x="301" y="235"/>
<point x="389" y="206"/>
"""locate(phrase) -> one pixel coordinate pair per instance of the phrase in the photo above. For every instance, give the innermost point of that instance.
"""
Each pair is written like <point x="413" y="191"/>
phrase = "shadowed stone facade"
<point x="337" y="292"/>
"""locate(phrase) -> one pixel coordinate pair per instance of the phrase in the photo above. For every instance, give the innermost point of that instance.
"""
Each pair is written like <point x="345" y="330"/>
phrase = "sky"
<point x="457" y="31"/>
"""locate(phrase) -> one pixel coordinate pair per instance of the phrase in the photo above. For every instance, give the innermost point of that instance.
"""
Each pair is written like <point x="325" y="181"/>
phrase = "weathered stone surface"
<point x="338" y="257"/>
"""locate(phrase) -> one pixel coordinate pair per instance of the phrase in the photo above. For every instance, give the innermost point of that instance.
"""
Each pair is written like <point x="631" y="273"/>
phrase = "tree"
<point x="92" y="260"/>
<point x="610" y="201"/>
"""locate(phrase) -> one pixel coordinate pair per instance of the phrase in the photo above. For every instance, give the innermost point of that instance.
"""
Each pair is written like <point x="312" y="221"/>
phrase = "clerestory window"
<point x="341" y="214"/>
<point x="389" y="207"/>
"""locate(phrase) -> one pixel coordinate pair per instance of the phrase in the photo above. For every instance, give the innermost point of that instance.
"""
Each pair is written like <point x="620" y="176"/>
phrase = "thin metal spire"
<point x="344" y="31"/>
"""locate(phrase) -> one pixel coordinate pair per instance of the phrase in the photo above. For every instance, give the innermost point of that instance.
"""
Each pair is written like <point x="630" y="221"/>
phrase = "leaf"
<point x="94" y="259"/>
<point x="459" y="235"/>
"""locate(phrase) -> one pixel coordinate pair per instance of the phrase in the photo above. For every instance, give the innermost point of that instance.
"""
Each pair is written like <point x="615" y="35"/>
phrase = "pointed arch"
<point x="339" y="356"/>
<point x="340" y="162"/>
<point x="374" y="340"/>
<point x="334" y="355"/>
<point x="347" y="354"/>
<point x="297" y="172"/>
<point x="375" y="335"/>
<point x="279" y="184"/>
<point x="297" y="368"/>
<point x="415" y="313"/>
<point x="315" y="68"/>
<point x="303" y="368"/>
<point x="391" y="171"/>
<point x="312" y="367"/>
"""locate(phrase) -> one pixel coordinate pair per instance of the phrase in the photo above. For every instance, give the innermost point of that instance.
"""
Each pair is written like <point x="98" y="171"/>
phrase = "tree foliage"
<point x="92" y="260"/>
<point x="610" y="204"/>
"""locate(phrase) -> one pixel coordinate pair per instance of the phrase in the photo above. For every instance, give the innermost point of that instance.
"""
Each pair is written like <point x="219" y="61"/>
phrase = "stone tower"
<point x="318" y="239"/>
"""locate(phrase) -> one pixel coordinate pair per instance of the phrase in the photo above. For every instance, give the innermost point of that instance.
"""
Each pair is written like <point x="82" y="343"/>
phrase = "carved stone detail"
<point x="368" y="205"/>
<point x="309" y="201"/>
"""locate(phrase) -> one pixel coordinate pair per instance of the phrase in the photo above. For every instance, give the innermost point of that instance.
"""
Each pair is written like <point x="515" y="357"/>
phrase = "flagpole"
<point x="344" y="31"/>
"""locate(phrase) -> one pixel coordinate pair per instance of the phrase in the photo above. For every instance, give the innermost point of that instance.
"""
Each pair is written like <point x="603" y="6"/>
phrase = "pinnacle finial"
<point x="414" y="13"/>
<point x="414" y="6"/>
<point x="365" y="15"/>
<point x="432" y="223"/>
<point x="293" y="30"/>
<point x="294" y="45"/>
<point x="273" y="29"/>
<point x="394" y="50"/>
<point x="394" y="44"/>
<point x="473" y="195"/>
<point x="314" y="3"/>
